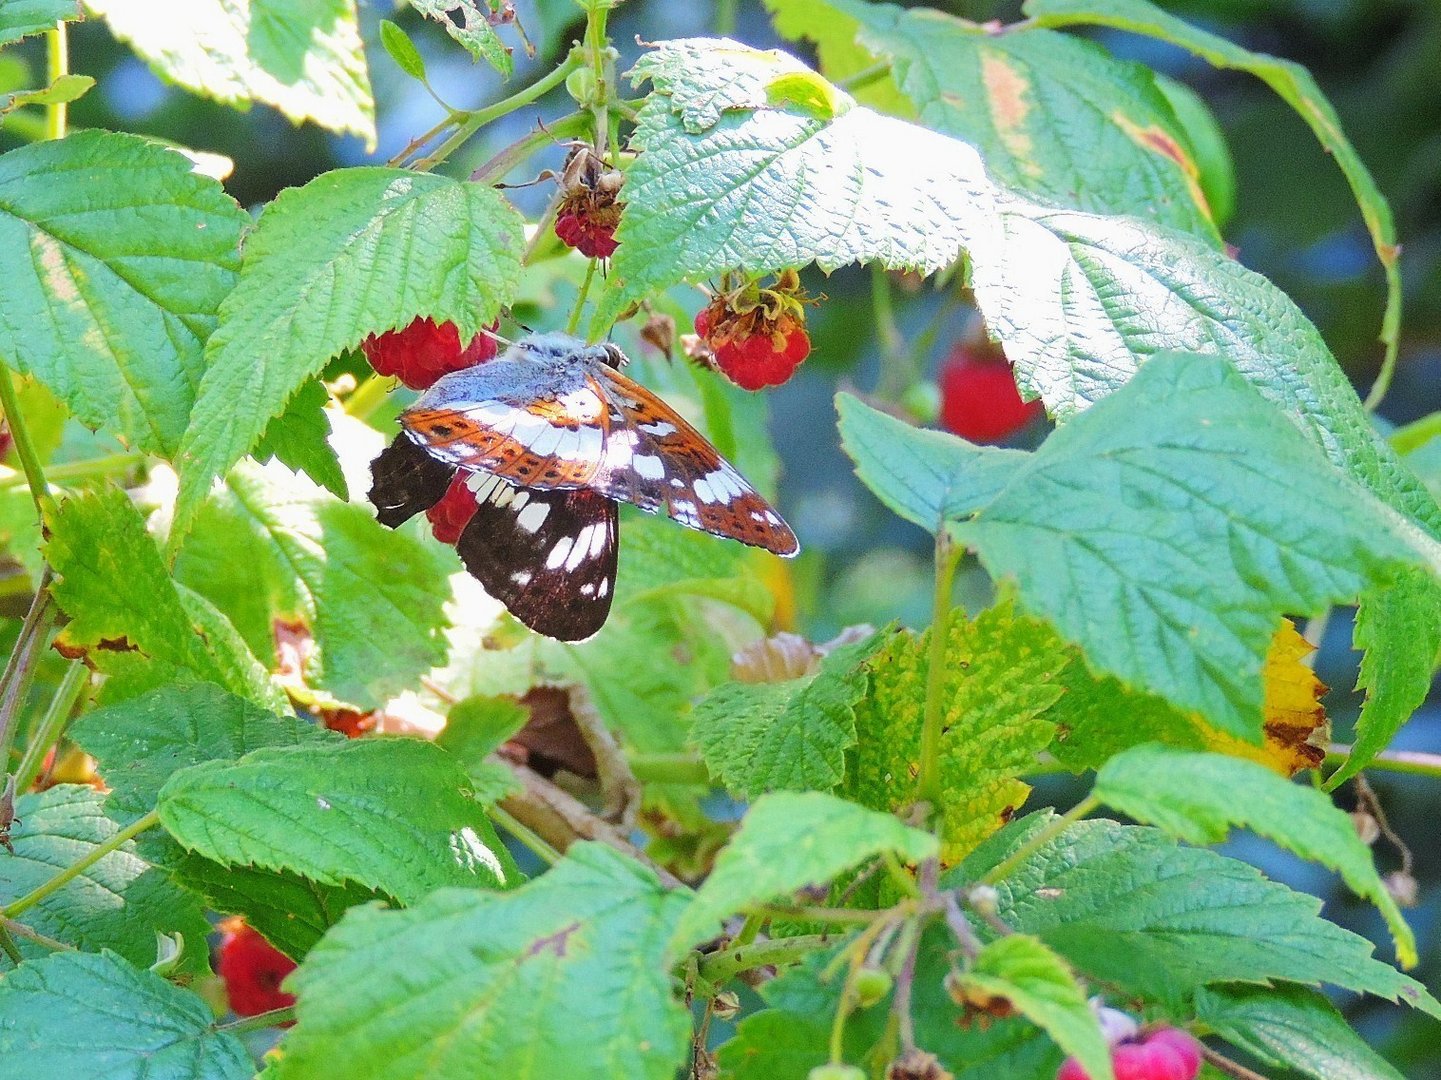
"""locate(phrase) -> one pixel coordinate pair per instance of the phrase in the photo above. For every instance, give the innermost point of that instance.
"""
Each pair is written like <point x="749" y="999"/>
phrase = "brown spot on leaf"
<point x="555" y="943"/>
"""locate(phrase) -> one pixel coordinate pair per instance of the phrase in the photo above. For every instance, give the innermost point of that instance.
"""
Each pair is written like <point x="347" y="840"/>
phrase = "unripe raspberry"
<point x="835" y="1071"/>
<point x="871" y="985"/>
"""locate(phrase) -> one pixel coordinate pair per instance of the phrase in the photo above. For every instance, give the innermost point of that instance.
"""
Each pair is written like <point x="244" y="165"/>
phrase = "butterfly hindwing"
<point x="548" y="556"/>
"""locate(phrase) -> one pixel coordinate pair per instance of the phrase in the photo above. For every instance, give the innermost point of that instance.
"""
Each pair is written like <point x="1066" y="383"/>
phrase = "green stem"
<point x="725" y="17"/>
<point x="75" y="869"/>
<point x="866" y="76"/>
<point x="929" y="788"/>
<point x="1411" y="762"/>
<point x="20" y="667"/>
<point x="362" y="402"/>
<point x="678" y="768"/>
<point x="595" y="41"/>
<point x="497" y="167"/>
<point x="842" y="916"/>
<point x="24" y="446"/>
<point x="574" y="321"/>
<point x="720" y="967"/>
<point x="1390" y="334"/>
<point x="1039" y="840"/>
<point x="7" y="943"/>
<point x="904" y="882"/>
<point x="57" y="64"/>
<point x="481" y="117"/>
<point x="522" y="832"/>
<point x="883" y="314"/>
<point x="260" y="1021"/>
<point x="47" y="732"/>
<point x="110" y="465"/>
<point x="19" y="929"/>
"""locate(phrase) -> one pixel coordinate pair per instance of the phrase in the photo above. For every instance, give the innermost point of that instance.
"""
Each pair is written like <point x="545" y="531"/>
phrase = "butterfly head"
<point x="557" y="348"/>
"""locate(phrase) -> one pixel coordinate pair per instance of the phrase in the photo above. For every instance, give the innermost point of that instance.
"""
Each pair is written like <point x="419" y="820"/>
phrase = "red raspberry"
<point x="979" y="400"/>
<point x="1167" y="1054"/>
<point x="252" y="970"/>
<point x="449" y="517"/>
<point x="592" y="234"/>
<point x="753" y="358"/>
<point x="424" y="351"/>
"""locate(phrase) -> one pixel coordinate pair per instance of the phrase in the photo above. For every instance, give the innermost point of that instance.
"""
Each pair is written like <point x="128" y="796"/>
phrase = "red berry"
<point x="703" y="320"/>
<point x="449" y="517"/>
<point x="1176" y="1054"/>
<point x="592" y="236"/>
<point x="979" y="400"/>
<point x="252" y="970"/>
<point x="752" y="361"/>
<point x="1168" y="1054"/>
<point x="424" y="351"/>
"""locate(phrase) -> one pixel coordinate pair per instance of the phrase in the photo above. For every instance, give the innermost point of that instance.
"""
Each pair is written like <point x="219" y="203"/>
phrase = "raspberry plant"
<point x="210" y="601"/>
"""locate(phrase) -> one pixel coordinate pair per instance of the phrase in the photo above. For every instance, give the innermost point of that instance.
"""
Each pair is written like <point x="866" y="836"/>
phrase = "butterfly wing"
<point x="548" y="556"/>
<point x="531" y="424"/>
<point x="659" y="462"/>
<point x="406" y="480"/>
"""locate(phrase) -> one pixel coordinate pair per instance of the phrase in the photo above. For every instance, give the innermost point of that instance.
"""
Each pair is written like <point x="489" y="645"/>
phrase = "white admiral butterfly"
<point x="550" y="435"/>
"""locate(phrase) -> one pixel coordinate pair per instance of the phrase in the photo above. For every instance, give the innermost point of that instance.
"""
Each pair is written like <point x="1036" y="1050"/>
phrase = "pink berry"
<point x="450" y="516"/>
<point x="979" y="400"/>
<point x="422" y="352"/>
<point x="1175" y="1053"/>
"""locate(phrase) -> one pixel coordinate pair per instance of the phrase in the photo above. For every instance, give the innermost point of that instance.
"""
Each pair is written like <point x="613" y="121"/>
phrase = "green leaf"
<point x="467" y="23"/>
<point x="64" y="89"/>
<point x="21" y="18"/>
<point x="111" y="289"/>
<point x="120" y="902"/>
<point x="299" y="439"/>
<point x="790" y="735"/>
<point x="787" y="841"/>
<point x="1168" y="529"/>
<point x="1291" y="1027"/>
<point x="129" y="617"/>
<point x="140" y="743"/>
<point x="792" y="1035"/>
<point x="307" y="60"/>
<point x="1200" y="796"/>
<point x="565" y="977"/>
<point x="1021" y="969"/>
<point x="728" y="180"/>
<point x="373" y="597"/>
<point x="402" y="50"/>
<point x="478" y="725"/>
<point x="999" y="681"/>
<point x="1289" y="80"/>
<point x="1125" y="905"/>
<point x="1050" y="114"/>
<point x="393" y="814"/>
<point x="289" y="911"/>
<point x="355" y="251"/>
<point x="1207" y="144"/>
<point x="76" y="1014"/>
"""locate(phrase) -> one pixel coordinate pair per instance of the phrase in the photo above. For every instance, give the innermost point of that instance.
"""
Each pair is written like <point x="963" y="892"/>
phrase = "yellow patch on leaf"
<point x="1164" y="143"/>
<point x="1006" y="91"/>
<point x="1296" y="727"/>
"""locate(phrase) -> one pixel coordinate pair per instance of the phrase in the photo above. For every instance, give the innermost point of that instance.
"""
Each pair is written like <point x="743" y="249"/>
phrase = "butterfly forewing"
<point x="548" y="556"/>
<point x="554" y="413"/>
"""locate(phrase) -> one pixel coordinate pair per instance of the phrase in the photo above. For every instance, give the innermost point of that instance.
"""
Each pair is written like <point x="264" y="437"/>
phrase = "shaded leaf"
<point x="789" y="840"/>
<point x="79" y="1014"/>
<point x="129" y="617"/>
<point x="466" y="22"/>
<point x="1127" y="906"/>
<point x="298" y="439"/>
<point x="1200" y="796"/>
<point x="120" y="902"/>
<point x="1041" y="986"/>
<point x="789" y="735"/>
<point x="21" y="18"/>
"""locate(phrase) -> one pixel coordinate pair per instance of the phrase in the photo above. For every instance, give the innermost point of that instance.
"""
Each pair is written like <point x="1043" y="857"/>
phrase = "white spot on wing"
<point x="521" y="577"/>
<point x="659" y="428"/>
<point x="533" y="516"/>
<point x="648" y="466"/>
<point x="556" y="559"/>
<point x="603" y="588"/>
<point x="704" y="492"/>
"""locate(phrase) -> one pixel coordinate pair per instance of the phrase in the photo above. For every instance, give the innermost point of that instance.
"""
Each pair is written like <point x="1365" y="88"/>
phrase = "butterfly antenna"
<point x="495" y="335"/>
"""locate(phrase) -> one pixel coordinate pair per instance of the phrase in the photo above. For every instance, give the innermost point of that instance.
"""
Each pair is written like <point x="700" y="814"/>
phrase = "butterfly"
<point x="549" y="437"/>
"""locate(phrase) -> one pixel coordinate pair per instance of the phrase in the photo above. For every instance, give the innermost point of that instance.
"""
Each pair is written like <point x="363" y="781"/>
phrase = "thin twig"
<point x="1229" y="1067"/>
